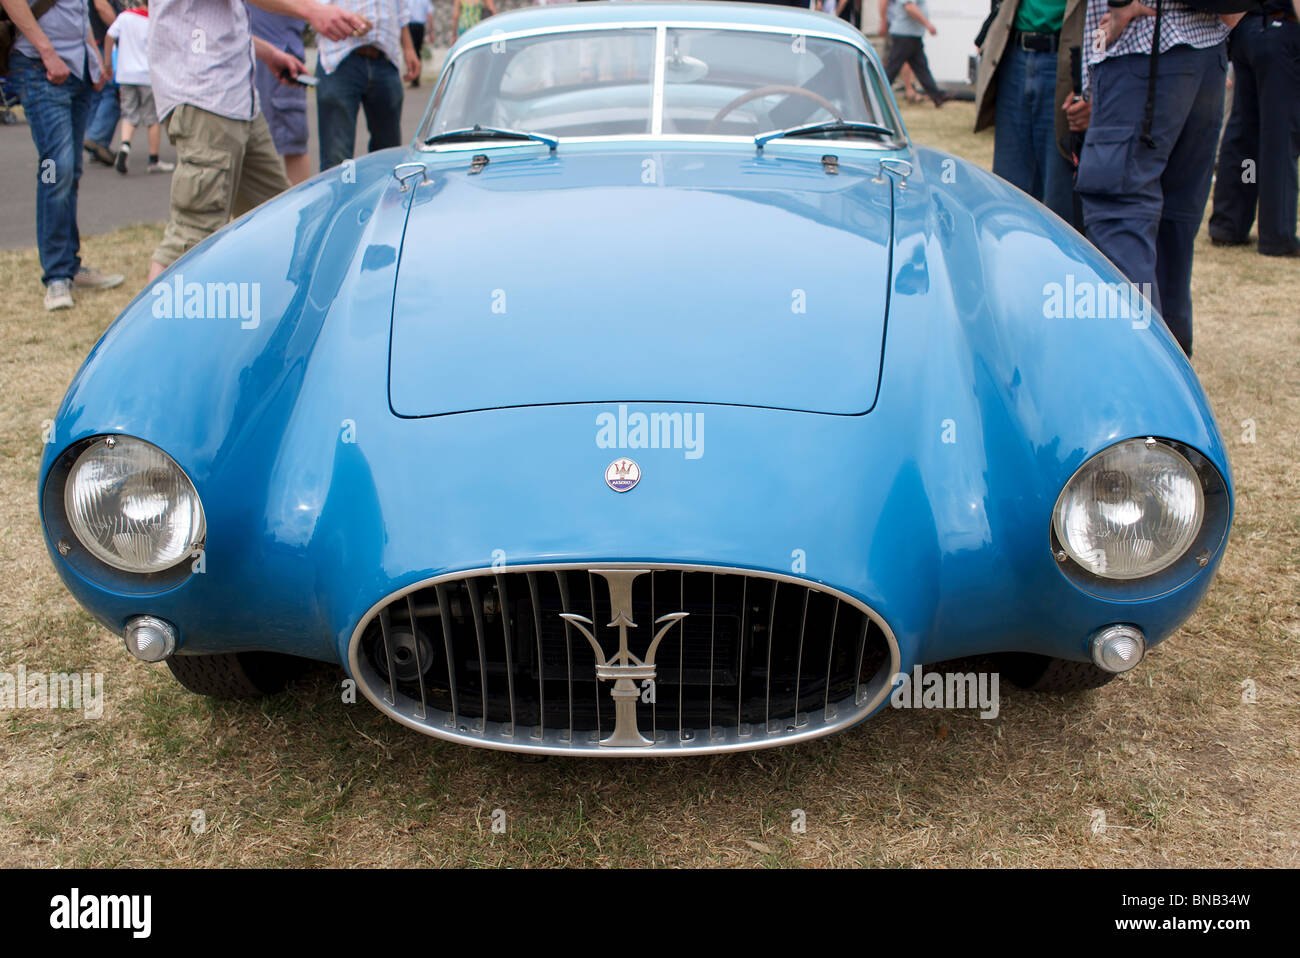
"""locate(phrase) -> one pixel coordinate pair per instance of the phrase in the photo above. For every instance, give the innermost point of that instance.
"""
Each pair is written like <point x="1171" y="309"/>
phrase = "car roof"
<point x="796" y="19"/>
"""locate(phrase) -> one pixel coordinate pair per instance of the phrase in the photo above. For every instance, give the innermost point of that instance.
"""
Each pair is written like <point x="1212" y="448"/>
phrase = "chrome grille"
<point x="509" y="659"/>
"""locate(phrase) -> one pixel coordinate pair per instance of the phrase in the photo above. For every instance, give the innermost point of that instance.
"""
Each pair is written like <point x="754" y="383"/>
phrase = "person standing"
<point x="285" y="105"/>
<point x="419" y="17"/>
<point x="104" y="109"/>
<point x="1144" y="190"/>
<point x="201" y="56"/>
<point x="1021" y="58"/>
<point x="1261" y="144"/>
<point x="908" y="25"/>
<point x="55" y="66"/>
<point x="129" y="34"/>
<point x="469" y="13"/>
<point x="364" y="73"/>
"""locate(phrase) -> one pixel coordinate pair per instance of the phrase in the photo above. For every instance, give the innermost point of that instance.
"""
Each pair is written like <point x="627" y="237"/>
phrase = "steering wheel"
<point x="762" y="91"/>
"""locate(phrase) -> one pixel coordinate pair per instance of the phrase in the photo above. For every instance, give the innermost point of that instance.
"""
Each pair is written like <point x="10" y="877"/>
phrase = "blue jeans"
<point x="56" y="116"/>
<point x="1024" y="135"/>
<point x="104" y="114"/>
<point x="1142" y="205"/>
<point x="371" y="83"/>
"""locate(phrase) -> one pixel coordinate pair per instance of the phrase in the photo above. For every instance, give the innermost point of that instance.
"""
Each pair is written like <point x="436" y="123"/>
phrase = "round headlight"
<point x="1130" y="511"/>
<point x="131" y="506"/>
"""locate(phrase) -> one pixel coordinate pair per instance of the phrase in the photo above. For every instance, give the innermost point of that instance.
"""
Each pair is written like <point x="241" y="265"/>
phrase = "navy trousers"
<point x="1142" y="205"/>
<point x="1257" y="159"/>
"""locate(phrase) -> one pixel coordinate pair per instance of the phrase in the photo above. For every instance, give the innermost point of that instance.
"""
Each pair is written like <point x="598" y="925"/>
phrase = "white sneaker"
<point x="58" y="295"/>
<point x="90" y="278"/>
<point x="162" y="166"/>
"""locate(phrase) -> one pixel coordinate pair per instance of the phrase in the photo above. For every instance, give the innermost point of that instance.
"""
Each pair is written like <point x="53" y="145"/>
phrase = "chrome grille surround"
<point x="515" y="589"/>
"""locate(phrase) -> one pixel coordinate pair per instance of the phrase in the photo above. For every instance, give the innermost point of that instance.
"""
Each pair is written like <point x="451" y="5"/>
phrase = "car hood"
<point x="693" y="278"/>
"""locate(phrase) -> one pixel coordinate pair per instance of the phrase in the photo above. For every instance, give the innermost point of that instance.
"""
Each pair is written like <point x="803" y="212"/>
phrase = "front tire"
<point x="1042" y="673"/>
<point x="236" y="675"/>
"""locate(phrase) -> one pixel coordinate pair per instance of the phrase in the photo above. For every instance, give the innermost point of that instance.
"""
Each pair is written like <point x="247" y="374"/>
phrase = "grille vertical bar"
<point x="444" y="616"/>
<point x="654" y="706"/>
<point x="419" y="666"/>
<point x="713" y="639"/>
<point x="862" y="645"/>
<point x="503" y="604"/>
<point x="385" y="623"/>
<point x="830" y="655"/>
<point x="536" y="616"/>
<point x="740" y="680"/>
<point x="476" y="609"/>
<point x="568" y="644"/>
<point x="771" y="637"/>
<point x="681" y="659"/>
<point x="595" y="630"/>
<point x="798" y="662"/>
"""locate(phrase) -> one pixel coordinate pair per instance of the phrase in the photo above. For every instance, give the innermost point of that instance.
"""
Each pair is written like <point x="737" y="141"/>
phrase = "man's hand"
<point x="103" y="70"/>
<point x="1115" y="22"/>
<point x="930" y="27"/>
<point x="334" y="23"/>
<point x="56" y="71"/>
<point x="409" y="57"/>
<point x="283" y="66"/>
<point x="287" y="67"/>
<point x="1078" y="112"/>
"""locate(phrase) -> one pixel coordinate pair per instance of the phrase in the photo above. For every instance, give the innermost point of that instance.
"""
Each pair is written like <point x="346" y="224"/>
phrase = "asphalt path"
<point x="107" y="200"/>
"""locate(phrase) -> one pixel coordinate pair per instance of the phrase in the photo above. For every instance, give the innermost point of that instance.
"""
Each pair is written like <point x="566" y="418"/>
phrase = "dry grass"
<point x="1185" y="772"/>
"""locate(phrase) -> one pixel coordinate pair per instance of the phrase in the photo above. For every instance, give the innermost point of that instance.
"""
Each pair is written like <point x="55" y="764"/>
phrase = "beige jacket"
<point x="995" y="45"/>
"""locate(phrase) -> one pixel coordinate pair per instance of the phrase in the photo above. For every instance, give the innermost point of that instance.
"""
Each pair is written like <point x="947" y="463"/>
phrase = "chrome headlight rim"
<point x="69" y="547"/>
<point x="1204" y="550"/>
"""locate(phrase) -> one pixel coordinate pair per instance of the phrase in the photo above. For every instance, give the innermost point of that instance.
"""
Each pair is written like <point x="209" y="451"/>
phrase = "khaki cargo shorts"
<point x="224" y="168"/>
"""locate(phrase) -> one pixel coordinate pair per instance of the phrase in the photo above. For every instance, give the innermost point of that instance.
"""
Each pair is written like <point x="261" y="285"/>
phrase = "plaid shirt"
<point x="389" y="19"/>
<point x="1179" y="24"/>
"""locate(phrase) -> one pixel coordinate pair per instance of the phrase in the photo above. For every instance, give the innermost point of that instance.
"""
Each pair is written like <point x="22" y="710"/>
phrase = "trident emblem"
<point x="624" y="668"/>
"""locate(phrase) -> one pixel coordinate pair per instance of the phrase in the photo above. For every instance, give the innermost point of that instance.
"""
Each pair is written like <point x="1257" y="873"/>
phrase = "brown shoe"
<point x="99" y="152"/>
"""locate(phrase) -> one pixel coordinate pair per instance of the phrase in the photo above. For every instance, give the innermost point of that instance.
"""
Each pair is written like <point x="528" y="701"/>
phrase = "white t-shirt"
<point x="130" y="33"/>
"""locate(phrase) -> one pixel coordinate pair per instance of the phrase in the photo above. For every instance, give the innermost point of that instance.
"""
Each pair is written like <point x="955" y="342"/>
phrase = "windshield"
<point x="713" y="82"/>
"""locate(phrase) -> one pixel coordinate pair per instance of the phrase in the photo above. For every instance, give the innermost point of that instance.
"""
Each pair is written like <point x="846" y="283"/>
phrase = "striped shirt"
<point x="1179" y="25"/>
<point x="201" y="53"/>
<point x="389" y="19"/>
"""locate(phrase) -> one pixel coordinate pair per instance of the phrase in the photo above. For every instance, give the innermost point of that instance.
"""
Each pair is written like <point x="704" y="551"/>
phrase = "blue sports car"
<point x="661" y="397"/>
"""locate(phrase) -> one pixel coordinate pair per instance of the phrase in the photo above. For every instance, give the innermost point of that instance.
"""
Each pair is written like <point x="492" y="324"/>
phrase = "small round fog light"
<point x="1118" y="648"/>
<point x="149" y="638"/>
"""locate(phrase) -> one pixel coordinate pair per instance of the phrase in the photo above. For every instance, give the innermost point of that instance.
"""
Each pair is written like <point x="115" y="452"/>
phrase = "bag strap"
<point x="41" y="7"/>
<point x="1148" y="115"/>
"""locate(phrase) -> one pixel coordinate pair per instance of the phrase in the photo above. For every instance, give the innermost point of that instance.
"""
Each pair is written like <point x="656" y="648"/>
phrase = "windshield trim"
<point x="661" y="28"/>
<point x="866" y="146"/>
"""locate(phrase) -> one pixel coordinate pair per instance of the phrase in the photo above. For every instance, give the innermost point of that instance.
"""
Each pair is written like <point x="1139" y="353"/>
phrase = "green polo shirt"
<point x="1040" y="16"/>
